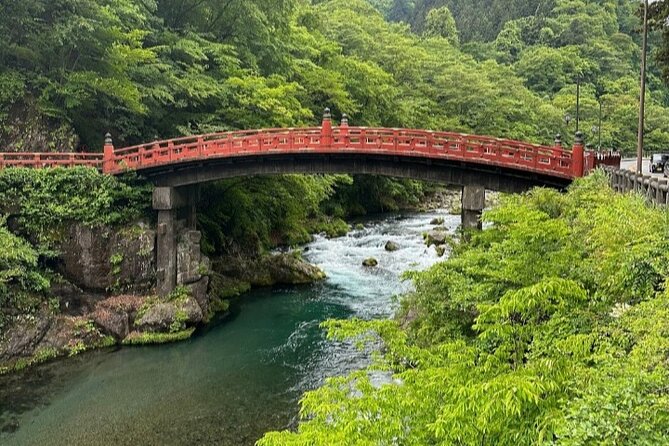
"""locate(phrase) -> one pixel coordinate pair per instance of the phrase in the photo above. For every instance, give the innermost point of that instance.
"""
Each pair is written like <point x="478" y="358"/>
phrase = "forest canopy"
<point x="70" y="70"/>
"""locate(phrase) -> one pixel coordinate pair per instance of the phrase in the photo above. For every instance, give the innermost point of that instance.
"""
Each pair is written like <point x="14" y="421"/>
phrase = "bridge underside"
<point x="455" y="173"/>
<point x="177" y="187"/>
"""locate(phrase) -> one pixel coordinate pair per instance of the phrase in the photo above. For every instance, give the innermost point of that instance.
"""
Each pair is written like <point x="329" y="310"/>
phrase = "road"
<point x="630" y="164"/>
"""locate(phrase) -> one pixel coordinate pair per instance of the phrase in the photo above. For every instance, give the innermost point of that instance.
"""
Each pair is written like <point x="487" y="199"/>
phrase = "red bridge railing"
<point x="548" y="160"/>
<point x="41" y="160"/>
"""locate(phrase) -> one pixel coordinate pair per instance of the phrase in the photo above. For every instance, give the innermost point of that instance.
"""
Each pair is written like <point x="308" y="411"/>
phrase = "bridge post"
<point x="578" y="155"/>
<point x="108" y="156"/>
<point x="473" y="203"/>
<point x="326" y="129"/>
<point x="343" y="127"/>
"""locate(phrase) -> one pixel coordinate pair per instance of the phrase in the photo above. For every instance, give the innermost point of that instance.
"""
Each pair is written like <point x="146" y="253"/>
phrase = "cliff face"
<point x="24" y="128"/>
<point x="106" y="296"/>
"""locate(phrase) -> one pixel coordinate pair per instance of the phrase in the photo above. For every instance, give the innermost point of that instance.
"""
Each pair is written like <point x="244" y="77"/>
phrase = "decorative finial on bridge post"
<point x="343" y="127"/>
<point x="558" y="140"/>
<point x="579" y="138"/>
<point x="108" y="156"/>
<point x="327" y="115"/>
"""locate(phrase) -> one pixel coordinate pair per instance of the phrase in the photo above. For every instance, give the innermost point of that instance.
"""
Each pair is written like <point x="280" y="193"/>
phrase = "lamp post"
<point x="642" y="96"/>
<point x="599" y="95"/>
<point x="598" y="130"/>
<point x="578" y="102"/>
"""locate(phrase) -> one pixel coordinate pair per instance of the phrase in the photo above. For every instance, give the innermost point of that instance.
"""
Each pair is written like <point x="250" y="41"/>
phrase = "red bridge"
<point x="546" y="161"/>
<point x="178" y="166"/>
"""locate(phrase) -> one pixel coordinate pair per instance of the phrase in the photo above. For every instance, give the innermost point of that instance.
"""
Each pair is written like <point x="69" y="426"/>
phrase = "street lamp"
<point x="597" y="130"/>
<point x="642" y="96"/>
<point x="578" y="102"/>
<point x="567" y="119"/>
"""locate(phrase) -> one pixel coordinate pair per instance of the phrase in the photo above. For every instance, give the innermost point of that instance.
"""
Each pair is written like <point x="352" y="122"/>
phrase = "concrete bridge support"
<point x="171" y="203"/>
<point x="473" y="203"/>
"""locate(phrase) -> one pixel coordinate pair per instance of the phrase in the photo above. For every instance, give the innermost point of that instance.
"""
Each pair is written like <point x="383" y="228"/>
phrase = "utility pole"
<point x="642" y="96"/>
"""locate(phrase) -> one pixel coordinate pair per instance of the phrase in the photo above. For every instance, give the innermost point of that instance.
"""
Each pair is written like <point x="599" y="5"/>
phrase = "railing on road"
<point x="656" y="190"/>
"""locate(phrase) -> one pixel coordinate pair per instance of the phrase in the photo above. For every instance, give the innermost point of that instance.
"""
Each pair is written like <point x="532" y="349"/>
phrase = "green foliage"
<point x="550" y="327"/>
<point x="263" y="211"/>
<point x="75" y="347"/>
<point x="440" y="23"/>
<point x="42" y="201"/>
<point x="22" y="285"/>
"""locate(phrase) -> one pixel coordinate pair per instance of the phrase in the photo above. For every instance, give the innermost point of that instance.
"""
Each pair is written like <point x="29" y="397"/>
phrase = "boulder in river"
<point x="437" y="221"/>
<point x="436" y="238"/>
<point x="441" y="250"/>
<point x="279" y="269"/>
<point x="370" y="262"/>
<point x="391" y="246"/>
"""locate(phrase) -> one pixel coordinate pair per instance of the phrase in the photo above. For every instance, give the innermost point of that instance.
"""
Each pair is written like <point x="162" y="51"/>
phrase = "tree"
<point x="440" y="23"/>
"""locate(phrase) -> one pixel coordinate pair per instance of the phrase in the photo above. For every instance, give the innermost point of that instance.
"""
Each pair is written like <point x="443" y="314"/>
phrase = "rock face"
<point x="160" y="316"/>
<point x="193" y="268"/>
<point x="101" y="259"/>
<point x="391" y="246"/>
<point x="190" y="266"/>
<point x="115" y="315"/>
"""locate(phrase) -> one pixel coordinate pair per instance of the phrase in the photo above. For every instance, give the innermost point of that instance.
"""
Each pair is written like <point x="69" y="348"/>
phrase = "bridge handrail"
<point x="436" y="144"/>
<point x="50" y="159"/>
<point x="211" y="137"/>
<point x="414" y="143"/>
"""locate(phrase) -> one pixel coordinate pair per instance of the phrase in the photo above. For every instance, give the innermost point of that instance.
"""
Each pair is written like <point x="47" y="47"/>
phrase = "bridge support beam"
<point x="168" y="201"/>
<point x="473" y="203"/>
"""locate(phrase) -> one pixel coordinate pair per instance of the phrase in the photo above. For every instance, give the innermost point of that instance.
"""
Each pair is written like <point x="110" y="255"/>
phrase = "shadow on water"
<point x="235" y="379"/>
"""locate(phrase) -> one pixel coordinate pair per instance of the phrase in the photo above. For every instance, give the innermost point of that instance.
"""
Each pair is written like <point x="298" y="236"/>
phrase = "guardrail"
<point x="656" y="190"/>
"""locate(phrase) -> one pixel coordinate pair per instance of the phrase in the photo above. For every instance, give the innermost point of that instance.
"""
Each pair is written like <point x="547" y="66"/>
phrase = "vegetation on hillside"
<point x="550" y="327"/>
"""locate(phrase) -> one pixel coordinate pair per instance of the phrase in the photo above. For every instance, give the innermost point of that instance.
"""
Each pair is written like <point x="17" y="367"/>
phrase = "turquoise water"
<point x="233" y="381"/>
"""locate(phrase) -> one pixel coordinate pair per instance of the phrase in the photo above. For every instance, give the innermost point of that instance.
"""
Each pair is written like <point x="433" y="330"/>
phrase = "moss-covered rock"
<point x="391" y="246"/>
<point x="268" y="270"/>
<point x="144" y="338"/>
<point x="370" y="262"/>
<point x="436" y="238"/>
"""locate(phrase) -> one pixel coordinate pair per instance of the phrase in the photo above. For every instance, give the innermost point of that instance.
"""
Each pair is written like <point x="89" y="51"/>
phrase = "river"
<point x="233" y="381"/>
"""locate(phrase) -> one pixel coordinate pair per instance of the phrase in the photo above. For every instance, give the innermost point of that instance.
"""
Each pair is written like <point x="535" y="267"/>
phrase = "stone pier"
<point x="170" y="202"/>
<point x="473" y="203"/>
